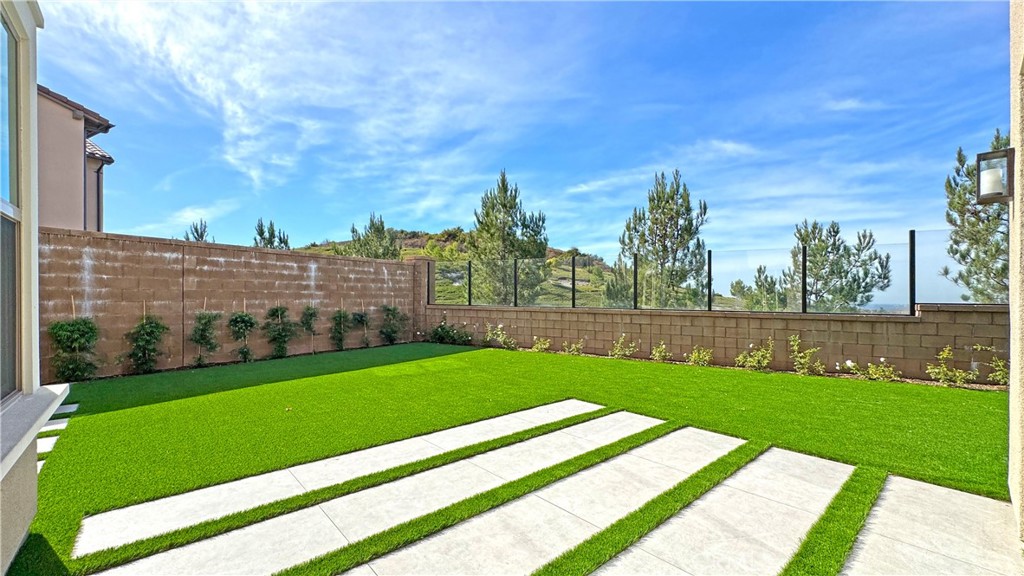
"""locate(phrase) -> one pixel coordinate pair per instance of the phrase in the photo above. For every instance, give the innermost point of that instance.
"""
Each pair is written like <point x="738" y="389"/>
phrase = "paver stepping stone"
<point x="363" y="513"/>
<point x="126" y="525"/>
<point x="44" y="445"/>
<point x="39" y="465"/>
<point x="66" y="409"/>
<point x="750" y="524"/>
<point x="52" y="425"/>
<point x="919" y="528"/>
<point x="522" y="536"/>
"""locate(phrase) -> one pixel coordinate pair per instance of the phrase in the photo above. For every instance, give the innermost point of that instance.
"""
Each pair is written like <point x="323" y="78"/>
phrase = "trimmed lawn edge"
<point x="831" y="539"/>
<point x="409" y="532"/>
<point x="110" y="558"/>
<point x="613" y="540"/>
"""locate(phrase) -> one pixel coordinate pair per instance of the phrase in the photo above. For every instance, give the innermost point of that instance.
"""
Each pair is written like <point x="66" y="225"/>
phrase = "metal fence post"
<point x="803" y="279"/>
<point x="711" y="294"/>
<point x="573" y="281"/>
<point x="515" y="282"/>
<point x="636" y="288"/>
<point x="913" y="271"/>
<point x="469" y="282"/>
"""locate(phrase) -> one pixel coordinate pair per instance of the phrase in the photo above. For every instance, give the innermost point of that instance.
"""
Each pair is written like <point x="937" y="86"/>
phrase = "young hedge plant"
<point x="393" y="325"/>
<point x="75" y="341"/>
<point x="310" y="314"/>
<point x="204" y="335"/>
<point x="145" y="339"/>
<point x="362" y="319"/>
<point x="279" y="330"/>
<point x="341" y="323"/>
<point x="241" y="324"/>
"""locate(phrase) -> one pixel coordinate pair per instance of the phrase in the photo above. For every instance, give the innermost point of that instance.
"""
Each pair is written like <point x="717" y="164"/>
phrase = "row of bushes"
<point x="75" y="340"/>
<point x="804" y="360"/>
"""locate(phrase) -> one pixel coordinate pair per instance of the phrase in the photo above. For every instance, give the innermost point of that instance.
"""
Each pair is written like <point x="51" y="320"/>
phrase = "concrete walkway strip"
<point x="522" y="536"/>
<point x="256" y="549"/>
<point x="66" y="409"/>
<point x="44" y="445"/>
<point x="918" y="528"/>
<point x="750" y="524"/>
<point x="133" y="523"/>
<point x="52" y="425"/>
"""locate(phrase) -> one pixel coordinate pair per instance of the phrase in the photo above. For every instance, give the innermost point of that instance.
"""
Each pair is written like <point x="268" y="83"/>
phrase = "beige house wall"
<point x="1016" y="472"/>
<point x="18" y="497"/>
<point x="93" y="195"/>
<point x="62" y="174"/>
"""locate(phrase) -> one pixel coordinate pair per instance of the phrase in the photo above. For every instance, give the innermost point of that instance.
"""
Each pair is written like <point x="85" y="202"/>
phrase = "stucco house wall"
<point x="62" y="166"/>
<point x="1016" y="467"/>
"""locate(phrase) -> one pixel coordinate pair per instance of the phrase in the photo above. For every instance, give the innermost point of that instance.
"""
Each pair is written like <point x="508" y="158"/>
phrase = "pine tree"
<point x="269" y="237"/>
<point x="376" y="241"/>
<point x="197" y="232"/>
<point x="979" y="240"/>
<point x="768" y="292"/>
<point x="666" y="238"/>
<point x="505" y="232"/>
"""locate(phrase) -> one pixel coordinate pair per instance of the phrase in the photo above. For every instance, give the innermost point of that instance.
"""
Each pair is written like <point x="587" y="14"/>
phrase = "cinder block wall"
<point x="112" y="278"/>
<point x="908" y="342"/>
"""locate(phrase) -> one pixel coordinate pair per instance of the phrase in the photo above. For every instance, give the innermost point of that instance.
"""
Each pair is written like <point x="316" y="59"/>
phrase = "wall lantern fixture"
<point x="995" y="176"/>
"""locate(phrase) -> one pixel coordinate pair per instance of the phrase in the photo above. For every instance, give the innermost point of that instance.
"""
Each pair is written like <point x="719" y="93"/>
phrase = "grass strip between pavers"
<point x="831" y="539"/>
<point x="409" y="532"/>
<point x="105" y="559"/>
<point x="610" y="542"/>
<point x="49" y="433"/>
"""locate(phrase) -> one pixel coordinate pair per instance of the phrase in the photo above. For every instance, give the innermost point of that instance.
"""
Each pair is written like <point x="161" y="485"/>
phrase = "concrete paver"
<point x="363" y="513"/>
<point x="66" y="409"/>
<point x="58" y="424"/>
<point x="44" y="445"/>
<point x="750" y="524"/>
<point x="126" y="525"/>
<point x="521" y="536"/>
<point x="916" y="528"/>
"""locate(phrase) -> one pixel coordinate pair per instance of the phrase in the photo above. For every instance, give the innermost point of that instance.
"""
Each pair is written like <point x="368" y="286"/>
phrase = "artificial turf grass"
<point x="105" y="559"/>
<point x="610" y="542"/>
<point x="409" y="532"/>
<point x="140" y="438"/>
<point x="829" y="542"/>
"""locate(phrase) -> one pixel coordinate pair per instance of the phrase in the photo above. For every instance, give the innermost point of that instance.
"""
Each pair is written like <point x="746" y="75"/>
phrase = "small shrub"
<point x="945" y="373"/>
<point x="241" y="324"/>
<point x="445" y="333"/>
<point x="500" y="338"/>
<point x="541" y="344"/>
<point x="75" y="341"/>
<point x="393" y="324"/>
<point x="279" y="330"/>
<point x="362" y="319"/>
<point x="622" y="349"/>
<point x="310" y="314"/>
<point x="758" y="357"/>
<point x="700" y="356"/>
<point x="341" y="323"/>
<point x="574" y="349"/>
<point x="204" y="335"/>
<point x="999" y="368"/>
<point x="882" y="371"/>
<point x="661" y="353"/>
<point x="804" y="362"/>
<point x="145" y="340"/>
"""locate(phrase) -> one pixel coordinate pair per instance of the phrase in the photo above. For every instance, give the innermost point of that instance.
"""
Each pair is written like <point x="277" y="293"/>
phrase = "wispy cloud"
<point x="179" y="221"/>
<point x="852" y="105"/>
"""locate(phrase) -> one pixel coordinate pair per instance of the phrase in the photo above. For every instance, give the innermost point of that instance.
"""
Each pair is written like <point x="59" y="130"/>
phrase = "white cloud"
<point x="177" y="222"/>
<point x="851" y="105"/>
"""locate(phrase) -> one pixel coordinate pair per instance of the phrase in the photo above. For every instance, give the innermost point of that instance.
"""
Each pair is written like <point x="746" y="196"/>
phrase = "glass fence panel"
<point x="451" y="283"/>
<point x="860" y="285"/>
<point x="600" y="285"/>
<point x="755" y="280"/>
<point x="942" y="279"/>
<point x="492" y="282"/>
<point x="545" y="282"/>
<point x="668" y="285"/>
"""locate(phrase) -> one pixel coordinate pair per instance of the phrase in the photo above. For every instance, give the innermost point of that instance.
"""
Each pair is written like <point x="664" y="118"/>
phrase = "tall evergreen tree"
<point x="269" y="237"/>
<point x="376" y="241"/>
<point x="767" y="293"/>
<point x="505" y="232"/>
<point x="197" y="232"/>
<point x="979" y="240"/>
<point x="666" y="238"/>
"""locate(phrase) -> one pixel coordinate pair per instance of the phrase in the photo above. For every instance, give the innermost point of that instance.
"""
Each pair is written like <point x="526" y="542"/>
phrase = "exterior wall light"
<point x="995" y="176"/>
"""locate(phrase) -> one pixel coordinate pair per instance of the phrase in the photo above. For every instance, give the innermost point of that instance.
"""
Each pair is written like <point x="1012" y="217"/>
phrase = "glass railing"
<point x="755" y="280"/>
<point x="451" y="283"/>
<point x="860" y="285"/>
<point x="942" y="277"/>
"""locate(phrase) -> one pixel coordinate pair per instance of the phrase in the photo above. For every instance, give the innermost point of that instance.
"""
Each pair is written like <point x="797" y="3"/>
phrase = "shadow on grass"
<point x="120" y="393"/>
<point x="37" y="558"/>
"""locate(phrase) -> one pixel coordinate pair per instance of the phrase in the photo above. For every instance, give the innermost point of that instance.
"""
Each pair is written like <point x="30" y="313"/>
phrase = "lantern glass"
<point x="995" y="176"/>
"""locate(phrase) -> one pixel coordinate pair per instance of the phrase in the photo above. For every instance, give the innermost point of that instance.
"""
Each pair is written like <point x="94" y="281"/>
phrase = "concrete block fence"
<point x="113" y="278"/>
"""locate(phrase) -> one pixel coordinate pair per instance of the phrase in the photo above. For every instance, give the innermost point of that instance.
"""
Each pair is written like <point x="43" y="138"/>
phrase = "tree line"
<point x="664" y="237"/>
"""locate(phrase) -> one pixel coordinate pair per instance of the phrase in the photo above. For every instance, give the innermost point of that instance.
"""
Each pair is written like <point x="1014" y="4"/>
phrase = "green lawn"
<point x="139" y="438"/>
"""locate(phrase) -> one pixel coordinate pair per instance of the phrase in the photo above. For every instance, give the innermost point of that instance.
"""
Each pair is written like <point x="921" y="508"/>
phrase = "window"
<point x="10" y="218"/>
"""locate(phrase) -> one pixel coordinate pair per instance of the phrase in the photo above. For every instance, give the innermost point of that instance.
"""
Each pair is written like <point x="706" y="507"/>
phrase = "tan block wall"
<point x="1016" y="473"/>
<point x="907" y="342"/>
<point x="17" y="505"/>
<point x="113" y="277"/>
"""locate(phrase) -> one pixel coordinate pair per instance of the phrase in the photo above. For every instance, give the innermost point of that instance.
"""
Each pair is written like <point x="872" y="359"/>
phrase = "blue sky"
<point x="315" y="114"/>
